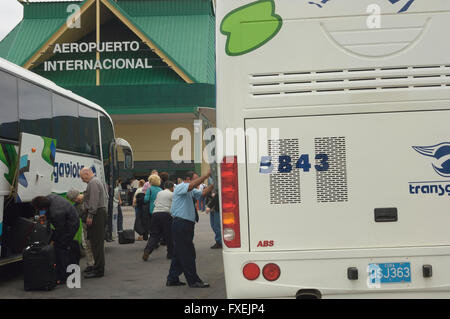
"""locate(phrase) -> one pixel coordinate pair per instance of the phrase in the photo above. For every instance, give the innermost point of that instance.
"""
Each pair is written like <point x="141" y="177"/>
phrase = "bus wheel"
<point x="308" y="294"/>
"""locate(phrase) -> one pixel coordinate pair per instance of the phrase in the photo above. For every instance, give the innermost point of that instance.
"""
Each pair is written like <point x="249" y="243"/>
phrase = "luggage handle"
<point x="36" y="246"/>
<point x="30" y="231"/>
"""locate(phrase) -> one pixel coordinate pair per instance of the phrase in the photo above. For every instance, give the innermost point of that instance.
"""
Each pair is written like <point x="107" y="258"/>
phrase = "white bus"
<point x="47" y="134"/>
<point x="351" y="200"/>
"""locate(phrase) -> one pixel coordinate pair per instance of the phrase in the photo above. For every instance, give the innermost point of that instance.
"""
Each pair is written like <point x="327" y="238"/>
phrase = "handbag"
<point x="138" y="223"/>
<point x="142" y="221"/>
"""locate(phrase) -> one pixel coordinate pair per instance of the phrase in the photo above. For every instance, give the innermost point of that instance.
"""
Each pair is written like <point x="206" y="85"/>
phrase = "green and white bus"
<point x="351" y="199"/>
<point x="47" y="134"/>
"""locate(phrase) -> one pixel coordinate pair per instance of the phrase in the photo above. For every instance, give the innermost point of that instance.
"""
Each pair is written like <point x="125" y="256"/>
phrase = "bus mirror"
<point x="127" y="152"/>
<point x="128" y="164"/>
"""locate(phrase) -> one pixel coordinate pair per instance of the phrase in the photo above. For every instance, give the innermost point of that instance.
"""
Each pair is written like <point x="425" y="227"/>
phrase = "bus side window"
<point x="107" y="137"/>
<point x="89" y="138"/>
<point x="65" y="123"/>
<point x="35" y="109"/>
<point x="9" y="114"/>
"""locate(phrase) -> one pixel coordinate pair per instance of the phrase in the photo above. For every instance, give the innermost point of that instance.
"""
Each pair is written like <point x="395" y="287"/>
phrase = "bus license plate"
<point x="390" y="273"/>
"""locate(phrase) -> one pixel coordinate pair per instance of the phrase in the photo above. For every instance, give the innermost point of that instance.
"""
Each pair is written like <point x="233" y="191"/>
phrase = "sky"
<point x="11" y="13"/>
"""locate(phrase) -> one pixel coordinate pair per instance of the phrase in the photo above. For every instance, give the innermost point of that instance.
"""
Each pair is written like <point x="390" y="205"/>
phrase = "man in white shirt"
<point x="161" y="224"/>
<point x="135" y="184"/>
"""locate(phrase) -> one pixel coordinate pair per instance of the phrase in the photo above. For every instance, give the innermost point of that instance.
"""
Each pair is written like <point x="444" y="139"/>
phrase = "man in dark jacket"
<point x="64" y="218"/>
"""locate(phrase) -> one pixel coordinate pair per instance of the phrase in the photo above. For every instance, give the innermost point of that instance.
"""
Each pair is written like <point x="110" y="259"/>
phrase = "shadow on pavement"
<point x="11" y="272"/>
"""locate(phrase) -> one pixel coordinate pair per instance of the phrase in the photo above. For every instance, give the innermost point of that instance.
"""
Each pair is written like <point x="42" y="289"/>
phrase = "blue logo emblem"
<point x="94" y="170"/>
<point x="321" y="3"/>
<point x="441" y="155"/>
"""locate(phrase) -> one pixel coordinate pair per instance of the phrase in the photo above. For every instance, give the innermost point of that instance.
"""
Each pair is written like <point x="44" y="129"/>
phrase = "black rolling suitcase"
<point x="39" y="267"/>
<point x="19" y="233"/>
<point x="25" y="231"/>
<point x="126" y="236"/>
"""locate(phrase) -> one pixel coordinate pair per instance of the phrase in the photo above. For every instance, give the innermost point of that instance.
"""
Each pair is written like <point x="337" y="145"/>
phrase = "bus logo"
<point x="441" y="157"/>
<point x="244" y="37"/>
<point x="408" y="4"/>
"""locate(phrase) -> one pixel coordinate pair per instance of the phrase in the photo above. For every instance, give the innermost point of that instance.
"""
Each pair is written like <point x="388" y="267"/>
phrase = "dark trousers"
<point x="96" y="234"/>
<point x="183" y="260"/>
<point x="67" y="252"/>
<point x="214" y="219"/>
<point x="160" y="227"/>
<point x="119" y="218"/>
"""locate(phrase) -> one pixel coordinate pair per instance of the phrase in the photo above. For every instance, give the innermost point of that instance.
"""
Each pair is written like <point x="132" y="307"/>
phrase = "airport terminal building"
<point x="149" y="63"/>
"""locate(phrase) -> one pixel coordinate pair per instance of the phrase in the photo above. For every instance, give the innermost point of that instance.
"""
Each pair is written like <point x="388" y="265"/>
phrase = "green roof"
<point x="159" y="74"/>
<point x="182" y="29"/>
<point x="8" y="42"/>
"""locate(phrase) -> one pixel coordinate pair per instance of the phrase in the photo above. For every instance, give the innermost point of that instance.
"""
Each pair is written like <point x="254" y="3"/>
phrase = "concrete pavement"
<point x="127" y="276"/>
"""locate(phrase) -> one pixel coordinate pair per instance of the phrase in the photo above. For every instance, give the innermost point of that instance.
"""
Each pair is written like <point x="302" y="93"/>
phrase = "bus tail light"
<point x="271" y="272"/>
<point x="251" y="271"/>
<point x="230" y="202"/>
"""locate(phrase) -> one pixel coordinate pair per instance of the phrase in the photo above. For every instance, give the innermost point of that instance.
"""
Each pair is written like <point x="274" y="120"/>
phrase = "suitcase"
<point x="39" y="267"/>
<point x="40" y="233"/>
<point x="126" y="236"/>
<point x="25" y="231"/>
<point x="18" y="234"/>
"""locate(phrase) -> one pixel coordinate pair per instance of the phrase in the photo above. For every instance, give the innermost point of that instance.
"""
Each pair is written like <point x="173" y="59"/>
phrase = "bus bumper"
<point x="327" y="273"/>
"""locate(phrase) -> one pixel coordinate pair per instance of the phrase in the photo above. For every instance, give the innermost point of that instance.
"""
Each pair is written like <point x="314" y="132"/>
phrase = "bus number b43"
<point x="286" y="165"/>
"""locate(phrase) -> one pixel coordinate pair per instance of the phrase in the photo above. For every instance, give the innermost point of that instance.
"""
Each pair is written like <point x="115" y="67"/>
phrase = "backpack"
<point x="140" y="200"/>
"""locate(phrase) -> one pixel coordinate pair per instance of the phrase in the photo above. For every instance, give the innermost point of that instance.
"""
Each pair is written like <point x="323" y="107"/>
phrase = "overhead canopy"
<point x="150" y="99"/>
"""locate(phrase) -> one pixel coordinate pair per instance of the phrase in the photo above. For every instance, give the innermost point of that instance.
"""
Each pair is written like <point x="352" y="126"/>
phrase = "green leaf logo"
<point x="49" y="150"/>
<point x="250" y="27"/>
<point x="8" y="155"/>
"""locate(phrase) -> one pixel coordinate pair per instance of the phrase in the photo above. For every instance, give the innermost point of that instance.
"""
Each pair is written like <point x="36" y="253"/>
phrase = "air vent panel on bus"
<point x="332" y="183"/>
<point x="349" y="81"/>
<point x="284" y="187"/>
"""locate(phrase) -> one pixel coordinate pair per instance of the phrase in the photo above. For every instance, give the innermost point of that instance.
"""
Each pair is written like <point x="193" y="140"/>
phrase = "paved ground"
<point x="127" y="276"/>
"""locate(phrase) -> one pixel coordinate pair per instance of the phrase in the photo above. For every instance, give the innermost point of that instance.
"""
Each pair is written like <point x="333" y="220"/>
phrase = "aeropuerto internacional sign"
<point x="106" y="64"/>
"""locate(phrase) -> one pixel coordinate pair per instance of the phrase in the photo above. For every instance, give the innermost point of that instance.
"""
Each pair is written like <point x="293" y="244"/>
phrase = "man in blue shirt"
<point x="183" y="213"/>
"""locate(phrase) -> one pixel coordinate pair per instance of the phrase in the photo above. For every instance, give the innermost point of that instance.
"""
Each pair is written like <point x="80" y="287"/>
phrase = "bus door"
<point x="127" y="151"/>
<point x="33" y="177"/>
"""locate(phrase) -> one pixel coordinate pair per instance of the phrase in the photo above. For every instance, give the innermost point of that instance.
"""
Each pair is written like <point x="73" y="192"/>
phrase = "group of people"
<point x="171" y="210"/>
<point x="167" y="212"/>
<point x="91" y="208"/>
